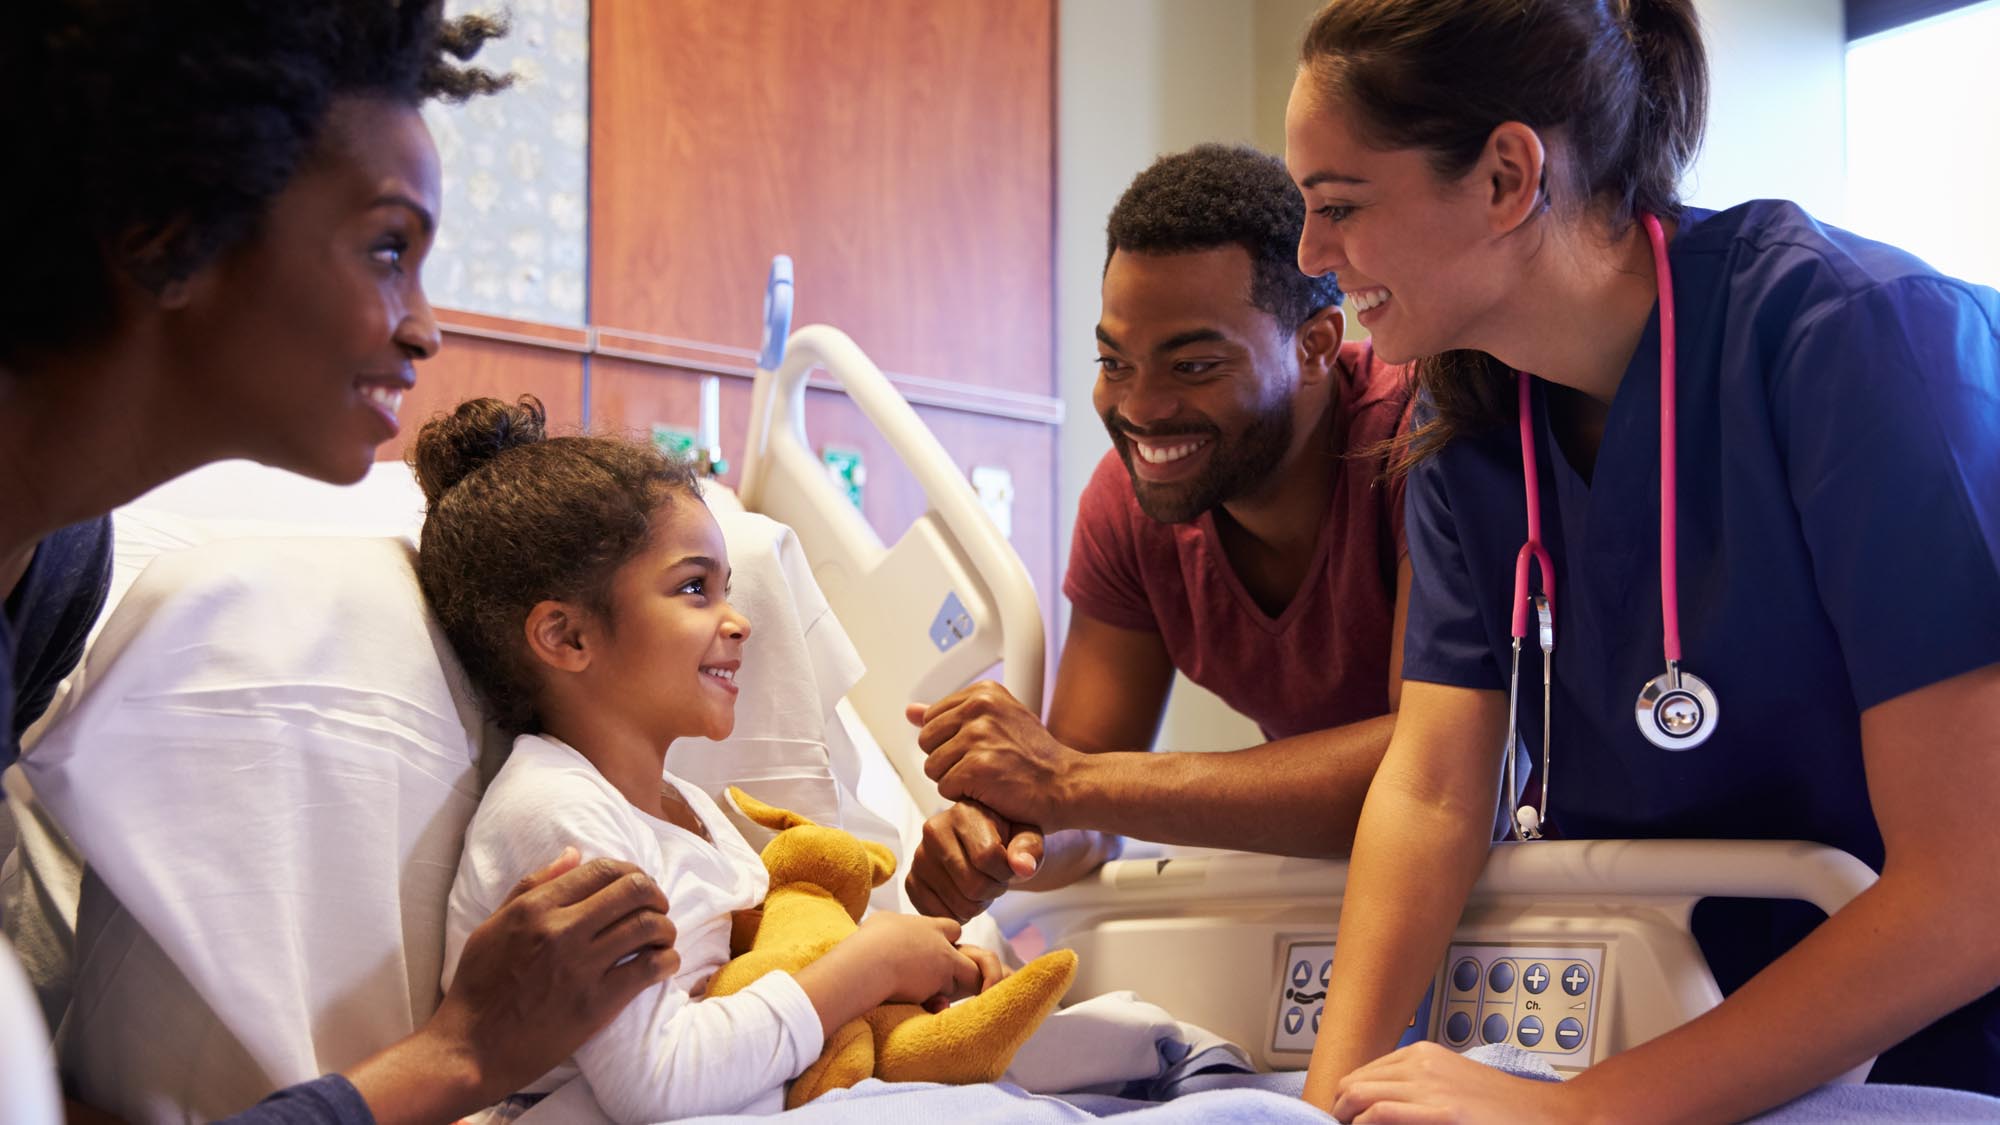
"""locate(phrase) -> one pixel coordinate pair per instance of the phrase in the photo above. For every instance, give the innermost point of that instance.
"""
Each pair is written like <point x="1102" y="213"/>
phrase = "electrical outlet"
<point x="995" y="487"/>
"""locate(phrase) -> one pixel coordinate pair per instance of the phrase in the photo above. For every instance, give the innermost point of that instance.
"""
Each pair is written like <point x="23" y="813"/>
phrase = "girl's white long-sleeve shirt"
<point x="671" y="1053"/>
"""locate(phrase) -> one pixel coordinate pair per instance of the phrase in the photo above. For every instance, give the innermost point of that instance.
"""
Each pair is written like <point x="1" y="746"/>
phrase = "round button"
<point x="1569" y="1033"/>
<point x="1294" y="1020"/>
<point x="1576" y="978"/>
<point x="1500" y="978"/>
<point x="1316" y="1012"/>
<point x="1529" y="1032"/>
<point x="1465" y="975"/>
<point x="1494" y="1029"/>
<point x="1302" y="973"/>
<point x="1325" y="971"/>
<point x="1536" y="979"/>
<point x="1458" y="1028"/>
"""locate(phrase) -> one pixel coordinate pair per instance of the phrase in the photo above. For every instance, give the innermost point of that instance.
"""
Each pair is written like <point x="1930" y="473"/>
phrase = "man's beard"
<point x="1234" y="468"/>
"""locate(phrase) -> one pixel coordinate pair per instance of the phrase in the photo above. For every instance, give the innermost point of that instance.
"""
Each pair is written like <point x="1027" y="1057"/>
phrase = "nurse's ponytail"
<point x="1618" y="89"/>
<point x="515" y="518"/>
<point x="1674" y="111"/>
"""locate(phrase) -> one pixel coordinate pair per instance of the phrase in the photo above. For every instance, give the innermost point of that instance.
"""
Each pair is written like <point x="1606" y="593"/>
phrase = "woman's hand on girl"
<point x="574" y="943"/>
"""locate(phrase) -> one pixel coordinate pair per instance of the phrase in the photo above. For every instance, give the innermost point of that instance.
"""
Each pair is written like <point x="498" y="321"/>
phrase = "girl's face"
<point x="295" y="346"/>
<point x="1414" y="253"/>
<point x="673" y="645"/>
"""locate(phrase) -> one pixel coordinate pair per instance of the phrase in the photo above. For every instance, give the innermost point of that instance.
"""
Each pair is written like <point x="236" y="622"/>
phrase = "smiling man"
<point x="1241" y="530"/>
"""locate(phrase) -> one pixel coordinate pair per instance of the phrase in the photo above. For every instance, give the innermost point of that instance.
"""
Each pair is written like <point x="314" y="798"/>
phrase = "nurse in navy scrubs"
<point x="1479" y="174"/>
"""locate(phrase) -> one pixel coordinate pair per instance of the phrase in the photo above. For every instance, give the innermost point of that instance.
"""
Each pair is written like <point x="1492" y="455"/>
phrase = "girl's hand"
<point x="1426" y="1082"/>
<point x="991" y="969"/>
<point x="916" y="956"/>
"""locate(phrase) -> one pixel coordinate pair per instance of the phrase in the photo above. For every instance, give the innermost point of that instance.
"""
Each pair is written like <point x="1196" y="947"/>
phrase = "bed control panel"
<point x="1302" y="995"/>
<point x="1541" y="998"/>
<point x="1302" y="999"/>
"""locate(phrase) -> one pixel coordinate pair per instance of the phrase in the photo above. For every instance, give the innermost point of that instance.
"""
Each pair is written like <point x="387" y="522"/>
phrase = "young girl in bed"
<point x="584" y="585"/>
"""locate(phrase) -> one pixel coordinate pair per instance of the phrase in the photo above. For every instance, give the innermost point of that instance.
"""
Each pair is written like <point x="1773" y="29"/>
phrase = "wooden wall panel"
<point x="902" y="151"/>
<point x="471" y="367"/>
<point x="628" y="397"/>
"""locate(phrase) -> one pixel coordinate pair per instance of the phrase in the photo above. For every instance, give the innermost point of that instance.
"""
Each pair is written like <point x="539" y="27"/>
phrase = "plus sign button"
<point x="1535" y="979"/>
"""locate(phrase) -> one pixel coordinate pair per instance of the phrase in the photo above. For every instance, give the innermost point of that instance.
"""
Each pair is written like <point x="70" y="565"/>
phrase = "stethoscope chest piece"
<point x="1677" y="710"/>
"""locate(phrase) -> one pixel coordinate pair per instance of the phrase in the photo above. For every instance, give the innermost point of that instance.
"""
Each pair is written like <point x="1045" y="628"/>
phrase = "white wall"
<point x="1139" y="78"/>
<point x="1135" y="79"/>
<point x="1777" y="105"/>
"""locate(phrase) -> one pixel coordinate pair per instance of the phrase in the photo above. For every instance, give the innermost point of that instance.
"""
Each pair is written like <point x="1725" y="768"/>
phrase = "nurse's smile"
<point x="1367" y="304"/>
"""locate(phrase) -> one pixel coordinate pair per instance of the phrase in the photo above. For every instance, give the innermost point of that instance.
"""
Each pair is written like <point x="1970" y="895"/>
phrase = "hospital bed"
<point x="1569" y="951"/>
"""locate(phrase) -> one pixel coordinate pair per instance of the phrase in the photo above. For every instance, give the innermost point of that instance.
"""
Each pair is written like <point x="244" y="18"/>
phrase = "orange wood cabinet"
<point x="901" y="151"/>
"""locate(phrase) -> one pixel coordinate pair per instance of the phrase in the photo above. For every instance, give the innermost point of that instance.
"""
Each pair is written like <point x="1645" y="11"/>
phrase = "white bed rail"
<point x="1622" y="906"/>
<point x="1789" y="869"/>
<point x="932" y="612"/>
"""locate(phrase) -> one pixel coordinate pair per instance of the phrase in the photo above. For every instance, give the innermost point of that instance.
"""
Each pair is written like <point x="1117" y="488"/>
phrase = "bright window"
<point x="1923" y="140"/>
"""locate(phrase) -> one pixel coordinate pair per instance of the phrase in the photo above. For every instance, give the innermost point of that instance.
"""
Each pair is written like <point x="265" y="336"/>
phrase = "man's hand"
<point x="573" y="945"/>
<point x="966" y="859"/>
<point x="985" y="747"/>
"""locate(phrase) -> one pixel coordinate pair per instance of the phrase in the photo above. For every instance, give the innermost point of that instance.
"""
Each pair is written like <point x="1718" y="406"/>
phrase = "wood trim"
<point x="740" y="363"/>
<point x="484" y="326"/>
<point x="478" y="366"/>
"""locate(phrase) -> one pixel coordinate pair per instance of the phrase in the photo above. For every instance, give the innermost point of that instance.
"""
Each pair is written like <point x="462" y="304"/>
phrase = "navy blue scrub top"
<point x="1839" y="445"/>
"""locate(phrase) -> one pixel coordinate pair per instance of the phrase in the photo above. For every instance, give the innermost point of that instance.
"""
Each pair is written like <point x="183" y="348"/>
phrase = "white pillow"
<point x="270" y="767"/>
<point x="271" y="772"/>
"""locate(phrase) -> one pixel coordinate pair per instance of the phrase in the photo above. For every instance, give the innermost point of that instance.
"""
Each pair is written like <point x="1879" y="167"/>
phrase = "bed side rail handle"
<point x="950" y="495"/>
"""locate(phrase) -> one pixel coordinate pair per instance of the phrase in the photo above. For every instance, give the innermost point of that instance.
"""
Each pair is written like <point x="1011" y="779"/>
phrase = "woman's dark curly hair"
<point x="1225" y="195"/>
<point x="144" y="137"/>
<point x="515" y="518"/>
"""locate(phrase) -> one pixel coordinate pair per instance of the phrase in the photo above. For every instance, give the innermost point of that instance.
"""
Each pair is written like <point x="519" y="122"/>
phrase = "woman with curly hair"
<point x="216" y="215"/>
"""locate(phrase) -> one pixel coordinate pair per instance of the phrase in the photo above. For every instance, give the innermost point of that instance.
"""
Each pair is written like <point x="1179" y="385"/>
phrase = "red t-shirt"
<point x="1324" y="662"/>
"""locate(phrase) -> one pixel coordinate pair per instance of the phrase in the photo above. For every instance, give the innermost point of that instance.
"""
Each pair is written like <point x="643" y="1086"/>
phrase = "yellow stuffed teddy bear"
<point x="820" y="879"/>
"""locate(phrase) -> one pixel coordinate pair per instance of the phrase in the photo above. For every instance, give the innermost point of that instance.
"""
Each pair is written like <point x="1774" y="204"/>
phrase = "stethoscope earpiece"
<point x="1527" y="823"/>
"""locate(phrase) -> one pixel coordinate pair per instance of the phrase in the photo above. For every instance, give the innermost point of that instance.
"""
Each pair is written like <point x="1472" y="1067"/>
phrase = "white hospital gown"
<point x="669" y="1054"/>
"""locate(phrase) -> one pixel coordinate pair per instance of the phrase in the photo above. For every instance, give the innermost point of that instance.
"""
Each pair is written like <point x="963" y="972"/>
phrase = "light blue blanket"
<point x="1229" y="1097"/>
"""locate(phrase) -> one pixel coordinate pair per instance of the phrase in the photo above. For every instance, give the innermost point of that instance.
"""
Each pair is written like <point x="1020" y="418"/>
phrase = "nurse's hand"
<point x="574" y="943"/>
<point x="1427" y="1082"/>
<point x="984" y="746"/>
<point x="966" y="859"/>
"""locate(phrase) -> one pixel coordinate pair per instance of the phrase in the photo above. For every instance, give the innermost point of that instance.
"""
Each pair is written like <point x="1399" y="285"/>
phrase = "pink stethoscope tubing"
<point x="1676" y="710"/>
